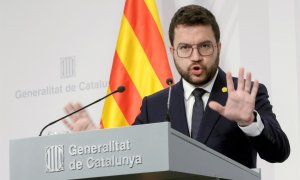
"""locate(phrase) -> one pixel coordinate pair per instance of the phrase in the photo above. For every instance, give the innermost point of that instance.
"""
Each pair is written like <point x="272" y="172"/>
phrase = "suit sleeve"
<point x="272" y="144"/>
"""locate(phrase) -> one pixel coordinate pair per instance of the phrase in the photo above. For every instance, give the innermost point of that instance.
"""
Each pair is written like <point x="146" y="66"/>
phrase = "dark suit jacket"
<point x="216" y="131"/>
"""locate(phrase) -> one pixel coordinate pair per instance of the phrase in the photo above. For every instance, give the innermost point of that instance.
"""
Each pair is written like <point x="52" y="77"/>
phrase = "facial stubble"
<point x="208" y="72"/>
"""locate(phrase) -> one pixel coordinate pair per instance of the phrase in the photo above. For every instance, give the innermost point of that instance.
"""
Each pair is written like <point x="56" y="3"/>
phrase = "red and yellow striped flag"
<point x="140" y="63"/>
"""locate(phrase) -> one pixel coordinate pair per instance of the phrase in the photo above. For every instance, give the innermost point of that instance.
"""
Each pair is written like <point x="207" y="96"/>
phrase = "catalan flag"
<point x="140" y="63"/>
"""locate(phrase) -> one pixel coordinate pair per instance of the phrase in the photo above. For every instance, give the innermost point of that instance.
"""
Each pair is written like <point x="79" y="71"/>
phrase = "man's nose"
<point x="196" y="56"/>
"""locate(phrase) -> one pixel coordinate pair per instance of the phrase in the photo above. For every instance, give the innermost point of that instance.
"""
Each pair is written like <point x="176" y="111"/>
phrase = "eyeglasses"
<point x="186" y="50"/>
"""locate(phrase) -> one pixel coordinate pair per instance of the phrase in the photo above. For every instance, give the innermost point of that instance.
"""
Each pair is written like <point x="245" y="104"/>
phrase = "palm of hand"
<point x="241" y="102"/>
<point x="80" y="121"/>
<point x="239" y="107"/>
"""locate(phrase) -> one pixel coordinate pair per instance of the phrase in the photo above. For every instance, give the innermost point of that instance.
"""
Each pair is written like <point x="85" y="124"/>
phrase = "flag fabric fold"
<point x="140" y="63"/>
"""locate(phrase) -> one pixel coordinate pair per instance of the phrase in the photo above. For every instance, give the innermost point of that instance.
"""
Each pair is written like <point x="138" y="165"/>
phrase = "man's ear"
<point x="219" y="46"/>
<point x="172" y="50"/>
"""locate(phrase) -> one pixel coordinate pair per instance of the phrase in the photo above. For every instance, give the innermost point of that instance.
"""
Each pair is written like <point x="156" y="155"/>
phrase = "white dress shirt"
<point x="253" y="129"/>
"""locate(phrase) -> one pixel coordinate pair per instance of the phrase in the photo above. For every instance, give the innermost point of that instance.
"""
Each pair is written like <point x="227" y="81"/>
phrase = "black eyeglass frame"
<point x="198" y="48"/>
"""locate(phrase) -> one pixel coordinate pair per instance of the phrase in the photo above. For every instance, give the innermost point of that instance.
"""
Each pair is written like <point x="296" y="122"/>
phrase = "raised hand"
<point x="241" y="102"/>
<point x="80" y="121"/>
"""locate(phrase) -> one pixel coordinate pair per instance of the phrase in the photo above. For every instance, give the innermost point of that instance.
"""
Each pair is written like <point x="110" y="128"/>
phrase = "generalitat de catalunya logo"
<point x="67" y="67"/>
<point x="54" y="156"/>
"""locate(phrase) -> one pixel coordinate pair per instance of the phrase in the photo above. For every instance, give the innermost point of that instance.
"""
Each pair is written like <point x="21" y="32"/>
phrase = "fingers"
<point x="241" y="80"/>
<point x="243" y="85"/>
<point x="254" y="89"/>
<point x="69" y="126"/>
<point x="71" y="107"/>
<point x="229" y="80"/>
<point x="77" y="106"/>
<point x="248" y="82"/>
<point x="79" y="121"/>
<point x="68" y="108"/>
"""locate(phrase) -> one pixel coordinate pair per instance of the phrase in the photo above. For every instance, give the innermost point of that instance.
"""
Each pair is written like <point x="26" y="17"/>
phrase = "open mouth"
<point x="196" y="70"/>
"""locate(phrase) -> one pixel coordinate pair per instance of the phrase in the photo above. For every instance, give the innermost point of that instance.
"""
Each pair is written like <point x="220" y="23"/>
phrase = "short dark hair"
<point x="192" y="15"/>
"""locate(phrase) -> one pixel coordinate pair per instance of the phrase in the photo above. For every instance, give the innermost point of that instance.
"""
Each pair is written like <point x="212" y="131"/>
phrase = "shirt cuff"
<point x="255" y="128"/>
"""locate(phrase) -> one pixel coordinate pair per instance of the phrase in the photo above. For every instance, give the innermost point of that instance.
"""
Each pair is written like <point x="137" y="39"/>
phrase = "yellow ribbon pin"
<point x="224" y="89"/>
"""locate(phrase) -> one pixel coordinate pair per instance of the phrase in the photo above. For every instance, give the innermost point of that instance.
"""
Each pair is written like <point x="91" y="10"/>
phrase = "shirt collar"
<point x="189" y="88"/>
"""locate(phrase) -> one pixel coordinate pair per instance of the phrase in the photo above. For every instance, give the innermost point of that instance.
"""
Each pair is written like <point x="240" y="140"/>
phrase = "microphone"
<point x="120" y="89"/>
<point x="169" y="82"/>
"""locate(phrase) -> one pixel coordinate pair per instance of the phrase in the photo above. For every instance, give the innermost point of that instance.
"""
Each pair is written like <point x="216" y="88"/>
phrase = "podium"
<point x="142" y="152"/>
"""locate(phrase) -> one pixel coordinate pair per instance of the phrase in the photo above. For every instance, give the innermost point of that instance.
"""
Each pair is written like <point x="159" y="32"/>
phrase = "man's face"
<point x="196" y="69"/>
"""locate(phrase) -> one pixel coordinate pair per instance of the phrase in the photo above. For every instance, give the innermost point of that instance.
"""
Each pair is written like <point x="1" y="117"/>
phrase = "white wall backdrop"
<point x="56" y="51"/>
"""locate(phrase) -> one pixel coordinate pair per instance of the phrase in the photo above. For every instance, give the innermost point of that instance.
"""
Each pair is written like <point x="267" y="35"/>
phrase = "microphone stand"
<point x="120" y="89"/>
<point x="169" y="81"/>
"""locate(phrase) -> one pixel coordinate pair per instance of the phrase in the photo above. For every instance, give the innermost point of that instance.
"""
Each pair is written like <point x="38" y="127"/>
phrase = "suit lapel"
<point x="177" y="109"/>
<point x="211" y="117"/>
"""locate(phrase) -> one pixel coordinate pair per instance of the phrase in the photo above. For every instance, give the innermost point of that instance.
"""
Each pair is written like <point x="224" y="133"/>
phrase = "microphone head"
<point x="169" y="81"/>
<point x="121" y="89"/>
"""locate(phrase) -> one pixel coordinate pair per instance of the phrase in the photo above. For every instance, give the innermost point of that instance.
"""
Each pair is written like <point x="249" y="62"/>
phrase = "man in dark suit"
<point x="237" y="120"/>
<point x="230" y="115"/>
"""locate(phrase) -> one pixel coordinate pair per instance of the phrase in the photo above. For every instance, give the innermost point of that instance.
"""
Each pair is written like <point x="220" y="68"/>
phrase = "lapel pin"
<point x="224" y="89"/>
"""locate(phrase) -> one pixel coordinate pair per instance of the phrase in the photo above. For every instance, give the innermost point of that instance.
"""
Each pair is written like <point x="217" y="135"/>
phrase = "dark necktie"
<point x="198" y="110"/>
